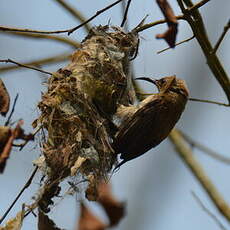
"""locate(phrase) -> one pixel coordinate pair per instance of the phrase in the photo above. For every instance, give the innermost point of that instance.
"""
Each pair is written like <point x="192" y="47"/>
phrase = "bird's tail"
<point x="119" y="165"/>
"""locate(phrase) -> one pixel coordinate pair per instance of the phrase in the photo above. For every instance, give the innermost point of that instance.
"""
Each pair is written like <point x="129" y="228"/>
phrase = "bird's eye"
<point x="162" y="81"/>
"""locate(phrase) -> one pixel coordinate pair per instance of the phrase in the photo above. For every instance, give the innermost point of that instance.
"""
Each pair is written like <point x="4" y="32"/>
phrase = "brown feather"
<point x="153" y="121"/>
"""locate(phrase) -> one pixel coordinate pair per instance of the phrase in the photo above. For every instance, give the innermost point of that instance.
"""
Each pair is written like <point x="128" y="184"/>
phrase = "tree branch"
<point x="27" y="184"/>
<point x="208" y="211"/>
<point x="195" y="21"/>
<point x="126" y="13"/>
<point x="181" y="42"/>
<point x="209" y="102"/>
<point x="94" y="16"/>
<point x="25" y="66"/>
<point x="152" y="24"/>
<point x="39" y="62"/>
<point x="205" y="149"/>
<point x="226" y="28"/>
<point x="69" y="31"/>
<point x="64" y="40"/>
<point x="185" y="153"/>
<point x="75" y="13"/>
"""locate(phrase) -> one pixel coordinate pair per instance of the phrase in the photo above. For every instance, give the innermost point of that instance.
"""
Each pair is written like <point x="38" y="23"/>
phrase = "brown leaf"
<point x="7" y="136"/>
<point x="4" y="155"/>
<point x="15" y="223"/>
<point x="45" y="223"/>
<point x="4" y="99"/>
<point x="5" y="133"/>
<point x="88" y="221"/>
<point x="114" y="209"/>
<point x="170" y="34"/>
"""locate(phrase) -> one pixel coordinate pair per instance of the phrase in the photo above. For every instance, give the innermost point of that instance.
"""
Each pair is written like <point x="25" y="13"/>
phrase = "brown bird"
<point x="146" y="125"/>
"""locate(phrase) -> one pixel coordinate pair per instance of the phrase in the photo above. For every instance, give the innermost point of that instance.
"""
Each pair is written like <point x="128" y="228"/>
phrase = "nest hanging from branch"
<point x="78" y="107"/>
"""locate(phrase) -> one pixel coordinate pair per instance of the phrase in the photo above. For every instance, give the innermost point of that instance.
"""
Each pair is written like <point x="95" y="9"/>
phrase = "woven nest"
<point x="78" y="107"/>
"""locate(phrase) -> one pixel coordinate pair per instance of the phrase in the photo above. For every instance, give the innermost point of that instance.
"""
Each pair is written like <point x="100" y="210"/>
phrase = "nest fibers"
<point x="77" y="109"/>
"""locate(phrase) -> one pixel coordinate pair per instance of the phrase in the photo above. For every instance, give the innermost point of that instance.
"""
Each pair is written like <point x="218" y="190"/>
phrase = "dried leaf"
<point x="5" y="133"/>
<point x="114" y="209"/>
<point x="4" y="99"/>
<point x="45" y="223"/>
<point x="88" y="221"/>
<point x="9" y="136"/>
<point x="4" y="155"/>
<point x="170" y="34"/>
<point x="15" y="223"/>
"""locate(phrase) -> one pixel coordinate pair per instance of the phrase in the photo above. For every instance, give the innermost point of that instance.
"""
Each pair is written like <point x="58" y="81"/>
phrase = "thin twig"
<point x="75" y="13"/>
<point x="94" y="16"/>
<point x="25" y="66"/>
<point x="126" y="13"/>
<point x="181" y="42"/>
<point x="196" y="22"/>
<point x="27" y="184"/>
<point x="190" y="99"/>
<point x="12" y="111"/>
<point x="22" y="145"/>
<point x="13" y="29"/>
<point x="152" y="24"/>
<point x="39" y="62"/>
<point x="69" y="31"/>
<point x="179" y="17"/>
<point x="60" y="39"/>
<point x="185" y="153"/>
<point x="205" y="149"/>
<point x="210" y="102"/>
<point x="197" y="5"/>
<point x="208" y="211"/>
<point x="226" y="28"/>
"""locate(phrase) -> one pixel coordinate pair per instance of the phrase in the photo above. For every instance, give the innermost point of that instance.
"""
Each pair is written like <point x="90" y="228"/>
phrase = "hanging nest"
<point x="78" y="108"/>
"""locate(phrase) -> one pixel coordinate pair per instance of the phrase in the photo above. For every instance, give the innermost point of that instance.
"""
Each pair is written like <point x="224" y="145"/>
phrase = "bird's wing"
<point x="137" y="128"/>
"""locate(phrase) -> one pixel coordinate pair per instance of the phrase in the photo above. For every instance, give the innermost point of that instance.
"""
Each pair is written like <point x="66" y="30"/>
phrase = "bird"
<point x="147" y="124"/>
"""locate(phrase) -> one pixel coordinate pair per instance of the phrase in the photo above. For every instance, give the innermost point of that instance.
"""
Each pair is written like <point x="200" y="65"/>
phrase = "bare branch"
<point x="152" y="24"/>
<point x="25" y="66"/>
<point x="12" y="110"/>
<point x="60" y="39"/>
<point x="126" y="13"/>
<point x="39" y="62"/>
<point x="197" y="5"/>
<point x="27" y="184"/>
<point x="208" y="211"/>
<point x="94" y="16"/>
<point x="22" y="145"/>
<point x="205" y="149"/>
<point x="208" y="101"/>
<point x="181" y="42"/>
<point x="69" y="31"/>
<point x="195" y="21"/>
<point x="226" y="28"/>
<point x="179" y="17"/>
<point x="75" y="13"/>
<point x="13" y="29"/>
<point x="185" y="153"/>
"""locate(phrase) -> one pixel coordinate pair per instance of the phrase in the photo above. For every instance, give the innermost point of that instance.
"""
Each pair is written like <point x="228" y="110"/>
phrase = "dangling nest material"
<point x="78" y="108"/>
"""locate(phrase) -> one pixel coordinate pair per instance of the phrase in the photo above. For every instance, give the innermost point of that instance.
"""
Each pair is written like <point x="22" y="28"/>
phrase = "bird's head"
<point x="167" y="84"/>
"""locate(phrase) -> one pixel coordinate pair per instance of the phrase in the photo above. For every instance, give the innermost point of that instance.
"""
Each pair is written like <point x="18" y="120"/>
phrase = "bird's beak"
<point x="154" y="81"/>
<point x="147" y="79"/>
